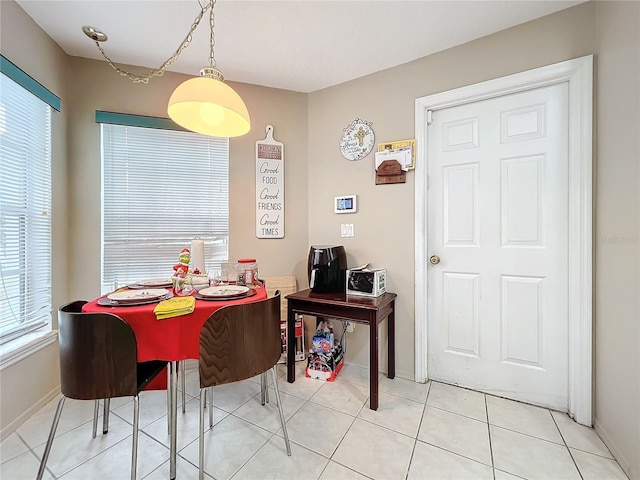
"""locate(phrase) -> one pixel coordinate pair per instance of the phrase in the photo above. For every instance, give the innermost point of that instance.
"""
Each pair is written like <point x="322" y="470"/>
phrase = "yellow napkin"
<point x="174" y="307"/>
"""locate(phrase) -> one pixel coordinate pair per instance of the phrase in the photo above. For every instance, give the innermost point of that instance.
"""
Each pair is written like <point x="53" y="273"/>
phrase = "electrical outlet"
<point x="350" y="327"/>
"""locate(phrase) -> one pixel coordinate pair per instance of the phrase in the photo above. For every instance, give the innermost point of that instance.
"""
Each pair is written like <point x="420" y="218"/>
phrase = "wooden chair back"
<point x="97" y="354"/>
<point x="239" y="342"/>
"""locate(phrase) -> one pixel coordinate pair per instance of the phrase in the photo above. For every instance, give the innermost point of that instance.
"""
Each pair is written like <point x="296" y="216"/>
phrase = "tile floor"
<point x="420" y="431"/>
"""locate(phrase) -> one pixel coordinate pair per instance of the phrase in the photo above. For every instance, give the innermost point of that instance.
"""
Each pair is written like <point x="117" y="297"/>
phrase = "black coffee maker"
<point x="327" y="268"/>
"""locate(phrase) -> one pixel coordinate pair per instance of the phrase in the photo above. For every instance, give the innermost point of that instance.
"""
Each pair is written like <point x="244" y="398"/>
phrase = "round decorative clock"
<point x="357" y="140"/>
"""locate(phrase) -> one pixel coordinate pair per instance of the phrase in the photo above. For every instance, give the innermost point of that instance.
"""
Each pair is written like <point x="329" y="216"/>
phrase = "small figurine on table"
<point x="181" y="272"/>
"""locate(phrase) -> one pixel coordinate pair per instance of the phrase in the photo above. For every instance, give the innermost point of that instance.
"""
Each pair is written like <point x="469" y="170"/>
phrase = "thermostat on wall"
<point x="345" y="204"/>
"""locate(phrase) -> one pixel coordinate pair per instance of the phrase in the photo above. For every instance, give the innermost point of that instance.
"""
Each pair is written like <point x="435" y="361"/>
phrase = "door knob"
<point x="434" y="259"/>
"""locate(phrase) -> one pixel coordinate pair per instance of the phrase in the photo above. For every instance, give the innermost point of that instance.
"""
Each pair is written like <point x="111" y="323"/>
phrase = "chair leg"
<point x="134" y="447"/>
<point x="264" y="388"/>
<point x="96" y="407"/>
<point x="201" y="434"/>
<point x="282" y="419"/>
<point x="105" y="416"/>
<point x="210" y="405"/>
<point x="52" y="434"/>
<point x="183" y="371"/>
<point x="168" y="402"/>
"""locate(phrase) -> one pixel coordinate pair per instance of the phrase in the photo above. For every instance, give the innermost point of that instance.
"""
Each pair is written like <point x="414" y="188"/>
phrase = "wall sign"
<point x="269" y="187"/>
<point x="357" y="140"/>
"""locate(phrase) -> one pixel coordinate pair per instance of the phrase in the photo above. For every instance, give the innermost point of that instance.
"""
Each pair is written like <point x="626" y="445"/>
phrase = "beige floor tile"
<point x="35" y="431"/>
<point x="188" y="424"/>
<point x="395" y="413"/>
<point x="335" y="471"/>
<point x="580" y="437"/>
<point x="228" y="446"/>
<point x="267" y="416"/>
<point x="375" y="451"/>
<point x="345" y="397"/>
<point x="22" y="467"/>
<point x="11" y="447"/>
<point x="523" y="418"/>
<point x="595" y="467"/>
<point x="433" y="462"/>
<point x="456" y="433"/>
<point x="531" y="457"/>
<point x="355" y="443"/>
<point x="457" y="400"/>
<point x="318" y="428"/>
<point x="404" y="388"/>
<point x="272" y="462"/>
<point x="355" y="374"/>
<point x="77" y="446"/>
<point x="115" y="462"/>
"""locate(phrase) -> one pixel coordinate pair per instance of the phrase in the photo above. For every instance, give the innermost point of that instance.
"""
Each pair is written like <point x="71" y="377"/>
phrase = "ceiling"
<point x="300" y="45"/>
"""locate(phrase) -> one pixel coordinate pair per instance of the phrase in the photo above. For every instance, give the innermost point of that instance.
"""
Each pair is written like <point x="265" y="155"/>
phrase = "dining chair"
<point x="239" y="342"/>
<point x="98" y="360"/>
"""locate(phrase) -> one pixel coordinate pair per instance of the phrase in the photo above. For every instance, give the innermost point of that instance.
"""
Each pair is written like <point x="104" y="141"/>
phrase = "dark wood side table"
<point x="354" y="308"/>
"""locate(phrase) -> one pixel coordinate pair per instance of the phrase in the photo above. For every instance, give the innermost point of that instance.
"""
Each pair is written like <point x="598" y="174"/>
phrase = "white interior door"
<point x="498" y="222"/>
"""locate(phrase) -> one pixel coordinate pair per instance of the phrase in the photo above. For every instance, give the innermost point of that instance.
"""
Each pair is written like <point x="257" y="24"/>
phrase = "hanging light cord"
<point x="158" y="72"/>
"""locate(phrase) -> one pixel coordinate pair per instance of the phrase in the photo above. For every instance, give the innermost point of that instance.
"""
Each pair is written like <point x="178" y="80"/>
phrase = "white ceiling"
<point x="300" y="45"/>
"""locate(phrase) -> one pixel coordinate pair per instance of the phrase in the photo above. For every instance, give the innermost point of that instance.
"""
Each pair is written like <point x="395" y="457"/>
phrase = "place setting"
<point x="224" y="292"/>
<point x="151" y="283"/>
<point x="133" y="297"/>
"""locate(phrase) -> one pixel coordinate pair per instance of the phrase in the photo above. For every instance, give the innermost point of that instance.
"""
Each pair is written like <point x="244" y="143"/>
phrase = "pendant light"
<point x="204" y="104"/>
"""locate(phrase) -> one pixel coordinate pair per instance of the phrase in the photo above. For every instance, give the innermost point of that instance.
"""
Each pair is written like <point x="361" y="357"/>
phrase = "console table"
<point x="353" y="308"/>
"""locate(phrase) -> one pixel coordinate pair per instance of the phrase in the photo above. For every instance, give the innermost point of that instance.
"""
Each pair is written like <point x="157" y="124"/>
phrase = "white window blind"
<point x="25" y="211"/>
<point x="161" y="189"/>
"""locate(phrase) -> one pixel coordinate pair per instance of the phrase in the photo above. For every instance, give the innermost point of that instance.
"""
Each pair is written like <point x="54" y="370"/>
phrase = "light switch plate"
<point x="346" y="230"/>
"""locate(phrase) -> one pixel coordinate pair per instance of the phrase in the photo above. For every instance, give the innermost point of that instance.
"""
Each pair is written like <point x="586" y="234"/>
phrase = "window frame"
<point x="215" y="172"/>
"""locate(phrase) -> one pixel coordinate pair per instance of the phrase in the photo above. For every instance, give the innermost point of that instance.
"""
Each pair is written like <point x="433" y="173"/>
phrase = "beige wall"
<point x="97" y="87"/>
<point x="30" y="382"/>
<point x="617" y="235"/>
<point x="310" y="127"/>
<point x="384" y="223"/>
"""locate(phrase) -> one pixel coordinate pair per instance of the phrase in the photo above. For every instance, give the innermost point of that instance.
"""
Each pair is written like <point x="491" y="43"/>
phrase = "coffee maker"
<point x="327" y="268"/>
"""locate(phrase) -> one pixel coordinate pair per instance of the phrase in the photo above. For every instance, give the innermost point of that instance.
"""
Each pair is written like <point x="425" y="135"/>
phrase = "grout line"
<point x="486" y="412"/>
<point x="566" y="446"/>
<point x="415" y="440"/>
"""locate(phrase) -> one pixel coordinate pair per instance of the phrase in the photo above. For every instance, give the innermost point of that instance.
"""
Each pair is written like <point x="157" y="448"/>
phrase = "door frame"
<point x="578" y="73"/>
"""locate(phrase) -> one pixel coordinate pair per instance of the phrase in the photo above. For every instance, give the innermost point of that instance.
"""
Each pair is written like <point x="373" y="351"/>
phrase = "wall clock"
<point x="357" y="140"/>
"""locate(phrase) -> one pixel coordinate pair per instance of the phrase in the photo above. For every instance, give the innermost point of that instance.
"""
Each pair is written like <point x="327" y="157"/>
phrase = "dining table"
<point x="172" y="339"/>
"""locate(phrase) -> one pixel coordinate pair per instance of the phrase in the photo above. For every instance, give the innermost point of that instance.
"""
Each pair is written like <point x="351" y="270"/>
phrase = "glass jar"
<point x="247" y="272"/>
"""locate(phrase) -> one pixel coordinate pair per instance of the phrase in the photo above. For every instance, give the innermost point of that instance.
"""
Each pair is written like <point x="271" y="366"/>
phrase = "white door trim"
<point x="579" y="75"/>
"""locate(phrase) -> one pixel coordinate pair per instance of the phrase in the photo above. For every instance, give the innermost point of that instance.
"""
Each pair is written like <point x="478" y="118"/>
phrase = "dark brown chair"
<point x="239" y="342"/>
<point x="98" y="360"/>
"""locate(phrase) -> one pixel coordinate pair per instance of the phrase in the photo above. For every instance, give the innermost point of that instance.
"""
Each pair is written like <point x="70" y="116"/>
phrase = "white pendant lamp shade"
<point x="209" y="106"/>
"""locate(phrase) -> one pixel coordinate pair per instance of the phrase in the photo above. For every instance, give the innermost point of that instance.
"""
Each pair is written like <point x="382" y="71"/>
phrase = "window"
<point x="25" y="209"/>
<point x="161" y="189"/>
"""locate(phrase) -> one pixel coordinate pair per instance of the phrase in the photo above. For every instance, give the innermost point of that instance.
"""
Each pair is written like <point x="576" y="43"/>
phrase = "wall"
<point x="36" y="378"/>
<point x="384" y="223"/>
<point x="617" y="233"/>
<point x="97" y="87"/>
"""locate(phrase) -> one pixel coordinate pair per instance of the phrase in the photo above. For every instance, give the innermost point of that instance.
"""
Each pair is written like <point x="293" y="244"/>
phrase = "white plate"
<point x="136" y="295"/>
<point x="224" y="291"/>
<point x="152" y="282"/>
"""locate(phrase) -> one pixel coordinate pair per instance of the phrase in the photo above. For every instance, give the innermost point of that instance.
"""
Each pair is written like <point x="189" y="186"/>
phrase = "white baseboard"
<point x="615" y="451"/>
<point x="13" y="426"/>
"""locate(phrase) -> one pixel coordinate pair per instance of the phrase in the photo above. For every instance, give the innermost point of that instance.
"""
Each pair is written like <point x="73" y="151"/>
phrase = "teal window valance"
<point x="27" y="82"/>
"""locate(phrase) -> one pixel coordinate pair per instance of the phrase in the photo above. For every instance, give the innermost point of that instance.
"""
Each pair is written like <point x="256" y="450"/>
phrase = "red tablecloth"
<point x="173" y="339"/>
